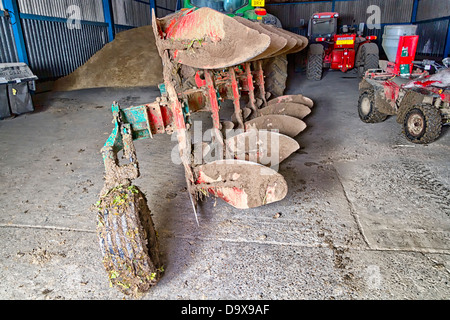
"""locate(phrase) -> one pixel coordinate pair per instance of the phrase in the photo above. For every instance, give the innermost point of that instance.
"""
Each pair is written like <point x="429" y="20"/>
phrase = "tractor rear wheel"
<point x="367" y="110"/>
<point x="422" y="123"/>
<point x="275" y="72"/>
<point x="314" y="63"/>
<point x="368" y="56"/>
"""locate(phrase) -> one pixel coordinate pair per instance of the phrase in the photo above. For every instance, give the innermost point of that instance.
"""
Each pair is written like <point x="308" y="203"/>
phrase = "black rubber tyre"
<point x="275" y="72"/>
<point x="314" y="65"/>
<point x="367" y="110"/>
<point x="369" y="58"/>
<point x="422" y="123"/>
<point x="128" y="240"/>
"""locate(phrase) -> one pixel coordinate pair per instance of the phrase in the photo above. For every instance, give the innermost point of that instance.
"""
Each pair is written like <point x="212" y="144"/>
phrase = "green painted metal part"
<point x="134" y="119"/>
<point x="247" y="11"/>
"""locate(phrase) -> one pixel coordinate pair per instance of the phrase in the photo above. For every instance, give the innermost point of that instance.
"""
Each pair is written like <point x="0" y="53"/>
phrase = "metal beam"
<point x="414" y="11"/>
<point x="109" y="18"/>
<point x="153" y="7"/>
<point x="447" y="43"/>
<point x="12" y="8"/>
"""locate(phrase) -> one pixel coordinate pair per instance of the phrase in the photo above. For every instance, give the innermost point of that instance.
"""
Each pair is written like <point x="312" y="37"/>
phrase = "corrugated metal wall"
<point x="131" y="13"/>
<point x="54" y="50"/>
<point x="91" y="10"/>
<point x="8" y="52"/>
<point x="397" y="11"/>
<point x="433" y="34"/>
<point x="432" y="37"/>
<point x="432" y="27"/>
<point x="431" y="9"/>
<point x="165" y="7"/>
<point x="290" y="14"/>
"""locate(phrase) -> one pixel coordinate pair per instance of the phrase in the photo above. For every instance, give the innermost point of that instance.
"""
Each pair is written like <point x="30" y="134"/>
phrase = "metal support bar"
<point x="12" y="8"/>
<point x="212" y="97"/>
<point x="260" y="81"/>
<point x="251" y="89"/>
<point x="236" y="97"/>
<point x="152" y="6"/>
<point x="447" y="43"/>
<point x="109" y="18"/>
<point x="414" y="11"/>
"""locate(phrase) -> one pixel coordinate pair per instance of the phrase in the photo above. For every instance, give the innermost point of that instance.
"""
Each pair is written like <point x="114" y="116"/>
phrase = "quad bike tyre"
<point x="422" y="123"/>
<point x="368" y="57"/>
<point x="367" y="109"/>
<point x="128" y="240"/>
<point x="314" y="65"/>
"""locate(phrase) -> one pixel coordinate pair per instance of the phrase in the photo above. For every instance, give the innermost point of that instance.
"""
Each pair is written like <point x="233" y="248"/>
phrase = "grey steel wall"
<point x="8" y="52"/>
<point x="432" y="34"/>
<point x="165" y="7"/>
<point x="290" y="14"/>
<point x="55" y="50"/>
<point x="91" y="10"/>
<point x="131" y="13"/>
<point x="393" y="11"/>
<point x="396" y="11"/>
<point x="432" y="26"/>
<point x="431" y="9"/>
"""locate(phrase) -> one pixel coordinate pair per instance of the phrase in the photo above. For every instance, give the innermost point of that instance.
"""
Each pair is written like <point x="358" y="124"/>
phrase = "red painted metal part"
<point x="232" y="195"/>
<point x="409" y="42"/>
<point x="343" y="59"/>
<point x="236" y="97"/>
<point x="259" y="72"/>
<point x="251" y="88"/>
<point x="155" y="117"/>
<point x="212" y="98"/>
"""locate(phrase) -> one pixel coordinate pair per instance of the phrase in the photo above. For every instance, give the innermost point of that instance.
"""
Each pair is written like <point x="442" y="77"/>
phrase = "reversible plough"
<point x="207" y="58"/>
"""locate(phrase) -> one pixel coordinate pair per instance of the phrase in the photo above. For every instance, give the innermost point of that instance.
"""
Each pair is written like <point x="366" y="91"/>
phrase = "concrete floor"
<point x="367" y="215"/>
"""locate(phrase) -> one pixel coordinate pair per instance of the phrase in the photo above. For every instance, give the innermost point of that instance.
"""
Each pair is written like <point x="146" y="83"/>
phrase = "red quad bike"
<point x="337" y="51"/>
<point x="419" y="100"/>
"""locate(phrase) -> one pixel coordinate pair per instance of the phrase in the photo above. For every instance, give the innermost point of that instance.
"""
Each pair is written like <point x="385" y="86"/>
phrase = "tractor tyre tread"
<point x="275" y="70"/>
<point x="314" y="66"/>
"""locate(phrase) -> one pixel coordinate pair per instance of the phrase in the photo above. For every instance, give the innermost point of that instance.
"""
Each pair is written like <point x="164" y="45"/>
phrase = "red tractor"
<point x="337" y="51"/>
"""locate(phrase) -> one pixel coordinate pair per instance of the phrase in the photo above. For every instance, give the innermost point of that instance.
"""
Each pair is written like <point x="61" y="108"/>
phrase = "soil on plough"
<point x="131" y="60"/>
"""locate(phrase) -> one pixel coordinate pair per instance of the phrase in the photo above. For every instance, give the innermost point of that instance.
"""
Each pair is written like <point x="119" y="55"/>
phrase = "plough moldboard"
<point x="207" y="58"/>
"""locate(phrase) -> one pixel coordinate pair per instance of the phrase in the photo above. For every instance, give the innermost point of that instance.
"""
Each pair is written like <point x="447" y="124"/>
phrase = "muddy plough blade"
<point x="207" y="58"/>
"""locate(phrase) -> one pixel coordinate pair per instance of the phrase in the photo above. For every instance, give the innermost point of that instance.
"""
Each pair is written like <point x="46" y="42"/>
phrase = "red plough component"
<point x="207" y="58"/>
